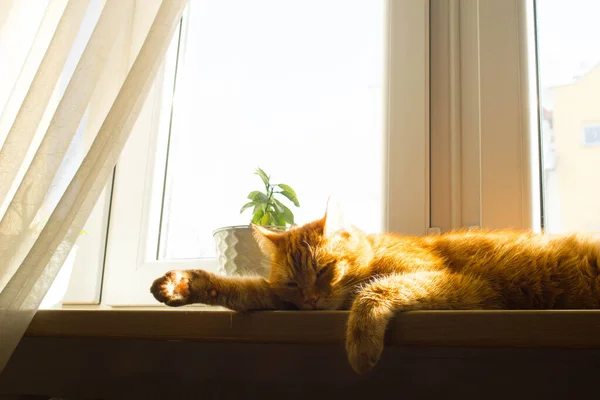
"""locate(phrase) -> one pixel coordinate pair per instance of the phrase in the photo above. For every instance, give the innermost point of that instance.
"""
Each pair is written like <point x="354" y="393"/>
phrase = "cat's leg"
<point x="378" y="301"/>
<point x="178" y="288"/>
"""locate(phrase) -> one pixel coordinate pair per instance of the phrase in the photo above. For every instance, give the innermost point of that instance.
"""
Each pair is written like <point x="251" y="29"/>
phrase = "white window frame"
<point x="129" y="268"/>
<point x="485" y="151"/>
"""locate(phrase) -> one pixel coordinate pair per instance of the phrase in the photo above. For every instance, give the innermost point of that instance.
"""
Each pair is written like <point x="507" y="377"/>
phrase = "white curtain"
<point x="48" y="182"/>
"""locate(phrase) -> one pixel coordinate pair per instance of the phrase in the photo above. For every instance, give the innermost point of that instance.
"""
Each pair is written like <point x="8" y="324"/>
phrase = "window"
<point x="418" y="115"/>
<point x="303" y="104"/>
<point x="483" y="142"/>
<point x="338" y="109"/>
<point x="513" y="114"/>
<point x="569" y="78"/>
<point x="591" y="135"/>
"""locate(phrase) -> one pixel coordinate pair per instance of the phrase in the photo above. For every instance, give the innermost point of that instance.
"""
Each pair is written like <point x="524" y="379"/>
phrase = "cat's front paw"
<point x="178" y="288"/>
<point x="363" y="355"/>
<point x="173" y="288"/>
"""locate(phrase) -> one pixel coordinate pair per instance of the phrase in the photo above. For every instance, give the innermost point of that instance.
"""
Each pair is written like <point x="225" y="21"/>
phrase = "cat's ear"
<point x="267" y="240"/>
<point x="334" y="218"/>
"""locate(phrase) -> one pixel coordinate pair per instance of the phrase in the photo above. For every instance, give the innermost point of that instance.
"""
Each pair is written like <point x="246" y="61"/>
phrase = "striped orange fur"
<point x="329" y="265"/>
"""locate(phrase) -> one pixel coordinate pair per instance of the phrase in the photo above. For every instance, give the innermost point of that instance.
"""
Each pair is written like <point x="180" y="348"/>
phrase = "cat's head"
<point x="312" y="265"/>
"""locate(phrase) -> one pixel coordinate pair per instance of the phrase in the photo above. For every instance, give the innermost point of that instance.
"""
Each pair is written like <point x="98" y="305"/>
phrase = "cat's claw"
<point x="172" y="288"/>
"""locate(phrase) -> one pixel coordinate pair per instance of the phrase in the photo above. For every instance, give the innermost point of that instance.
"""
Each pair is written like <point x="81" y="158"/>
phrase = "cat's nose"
<point x="312" y="301"/>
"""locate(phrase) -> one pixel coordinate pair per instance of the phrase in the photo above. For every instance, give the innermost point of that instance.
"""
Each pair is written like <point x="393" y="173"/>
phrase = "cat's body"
<point x="329" y="265"/>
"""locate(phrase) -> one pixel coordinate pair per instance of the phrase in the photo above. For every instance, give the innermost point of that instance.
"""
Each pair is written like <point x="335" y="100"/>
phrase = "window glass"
<point x="295" y="88"/>
<point x="569" y="78"/>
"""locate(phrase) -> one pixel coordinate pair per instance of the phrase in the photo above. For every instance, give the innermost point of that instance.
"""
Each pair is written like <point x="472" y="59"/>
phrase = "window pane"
<point x="569" y="76"/>
<point x="295" y="88"/>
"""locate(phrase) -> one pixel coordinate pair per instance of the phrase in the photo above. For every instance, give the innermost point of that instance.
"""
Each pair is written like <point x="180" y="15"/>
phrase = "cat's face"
<point x="309" y="264"/>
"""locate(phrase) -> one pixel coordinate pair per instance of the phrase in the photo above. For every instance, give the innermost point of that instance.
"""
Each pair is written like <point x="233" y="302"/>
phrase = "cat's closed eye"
<point x="292" y="284"/>
<point x="322" y="271"/>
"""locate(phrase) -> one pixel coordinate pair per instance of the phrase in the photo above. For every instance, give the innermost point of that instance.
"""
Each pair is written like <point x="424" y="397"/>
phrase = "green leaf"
<point x="289" y="193"/>
<point x="265" y="219"/>
<point x="257" y="217"/>
<point x="277" y="206"/>
<point x="258" y="197"/>
<point x="246" y="206"/>
<point x="263" y="176"/>
<point x="286" y="213"/>
<point x="280" y="220"/>
<point x="259" y="207"/>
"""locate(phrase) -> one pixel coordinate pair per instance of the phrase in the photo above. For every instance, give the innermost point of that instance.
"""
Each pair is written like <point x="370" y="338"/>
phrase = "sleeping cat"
<point x="329" y="265"/>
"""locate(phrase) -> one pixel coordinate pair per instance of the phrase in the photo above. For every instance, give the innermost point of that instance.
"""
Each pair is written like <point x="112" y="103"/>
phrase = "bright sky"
<point x="568" y="39"/>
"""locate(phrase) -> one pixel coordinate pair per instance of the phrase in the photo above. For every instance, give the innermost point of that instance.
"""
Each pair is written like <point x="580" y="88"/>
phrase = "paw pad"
<point x="172" y="289"/>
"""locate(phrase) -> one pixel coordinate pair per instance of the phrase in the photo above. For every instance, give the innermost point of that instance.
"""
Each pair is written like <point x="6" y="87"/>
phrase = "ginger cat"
<point x="329" y="265"/>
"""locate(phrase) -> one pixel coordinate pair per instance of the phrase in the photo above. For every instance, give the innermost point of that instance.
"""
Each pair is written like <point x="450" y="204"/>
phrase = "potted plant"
<point x="237" y="251"/>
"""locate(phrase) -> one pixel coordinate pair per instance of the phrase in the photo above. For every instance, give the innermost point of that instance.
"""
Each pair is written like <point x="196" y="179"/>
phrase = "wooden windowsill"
<point x="548" y="328"/>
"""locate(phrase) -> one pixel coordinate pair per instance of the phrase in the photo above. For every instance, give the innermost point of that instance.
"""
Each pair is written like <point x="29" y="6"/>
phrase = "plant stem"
<point x="270" y="190"/>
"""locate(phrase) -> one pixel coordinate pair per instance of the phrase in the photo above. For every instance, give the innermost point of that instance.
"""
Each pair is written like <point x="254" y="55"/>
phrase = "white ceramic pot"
<point x="238" y="253"/>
